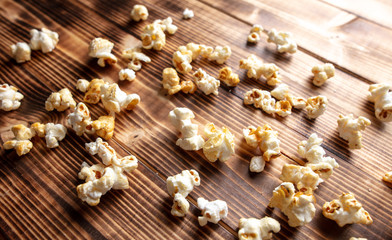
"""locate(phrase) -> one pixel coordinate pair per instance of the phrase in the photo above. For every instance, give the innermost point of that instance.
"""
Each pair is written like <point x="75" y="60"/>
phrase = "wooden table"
<point x="38" y="198"/>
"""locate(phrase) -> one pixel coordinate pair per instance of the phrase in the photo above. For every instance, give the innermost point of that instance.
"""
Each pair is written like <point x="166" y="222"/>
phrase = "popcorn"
<point x="167" y="25"/>
<point x="82" y="85"/>
<point x="354" y="238"/>
<point x="9" y="97"/>
<point x="257" y="229"/>
<point x="298" y="207"/>
<point x="303" y="177"/>
<point x="136" y="56"/>
<point x="101" y="48"/>
<point x="261" y="99"/>
<point x="212" y="211"/>
<point x="387" y="177"/>
<point x="205" y="51"/>
<point x="188" y="86"/>
<point x="61" y="101"/>
<point x="316" y="106"/>
<point x="104" y="151"/>
<point x="382" y="98"/>
<point x="80" y="120"/>
<point x="54" y="133"/>
<point x="114" y="99"/>
<point x="21" y="52"/>
<point x="104" y="127"/>
<point x="281" y="91"/>
<point x="171" y="81"/>
<point x="182" y="59"/>
<point x="181" y="120"/>
<point x="206" y="83"/>
<point x="93" y="94"/>
<point x="21" y="147"/>
<point x="283" y="41"/>
<point x="257" y="164"/>
<point x="255" y="33"/>
<point x="196" y="50"/>
<point x="256" y="68"/>
<point x="220" y="54"/>
<point x="322" y="73"/>
<point x="227" y="76"/>
<point x="220" y="143"/>
<point x="182" y="183"/>
<point x="127" y="74"/>
<point x="283" y="108"/>
<point x="180" y="206"/>
<point x="187" y="14"/>
<point x="350" y="129"/>
<point x="265" y="138"/>
<point x="21" y="132"/>
<point x="139" y="12"/>
<point x="153" y="36"/>
<point x="44" y="40"/>
<point x="38" y="129"/>
<point x="346" y="210"/>
<point x="296" y="102"/>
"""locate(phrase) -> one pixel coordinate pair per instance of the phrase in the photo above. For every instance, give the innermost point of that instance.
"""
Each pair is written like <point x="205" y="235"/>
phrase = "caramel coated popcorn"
<point x="227" y="76"/>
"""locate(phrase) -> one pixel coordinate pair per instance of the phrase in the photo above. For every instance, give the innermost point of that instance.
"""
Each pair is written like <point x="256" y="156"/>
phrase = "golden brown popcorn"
<point x="93" y="94"/>
<point x="21" y="132"/>
<point x="187" y="86"/>
<point x="304" y="178"/>
<point x="114" y="99"/>
<point x="61" y="101"/>
<point x="256" y="68"/>
<point x="153" y="36"/>
<point x="227" y="76"/>
<point x="387" y="177"/>
<point x="44" y="40"/>
<point x="9" y="97"/>
<point x="382" y="98"/>
<point x="206" y="83"/>
<point x="139" y="12"/>
<point x="39" y="129"/>
<point x="265" y="138"/>
<point x="257" y="229"/>
<point x="350" y="129"/>
<point x="21" y="147"/>
<point x="283" y="41"/>
<point x="322" y="73"/>
<point x="136" y="56"/>
<point x="171" y="81"/>
<point x="220" y="143"/>
<point x="21" y="52"/>
<point x="255" y="33"/>
<point x="316" y="106"/>
<point x="104" y="127"/>
<point x="101" y="48"/>
<point x="182" y="59"/>
<point x="346" y="210"/>
<point x="220" y="54"/>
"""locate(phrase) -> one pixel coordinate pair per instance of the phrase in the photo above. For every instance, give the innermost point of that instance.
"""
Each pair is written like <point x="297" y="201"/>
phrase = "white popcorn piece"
<point x="167" y="25"/>
<point x="213" y="211"/>
<point x="387" y="177"/>
<point x="322" y="73"/>
<point x="101" y="48"/>
<point x="354" y="238"/>
<point x="257" y="229"/>
<point x="220" y="143"/>
<point x="180" y="206"/>
<point x="382" y="98"/>
<point x="296" y="102"/>
<point x="346" y="210"/>
<point x="261" y="99"/>
<point x="139" y="12"/>
<point x="181" y="120"/>
<point x="182" y="183"/>
<point x="281" y="91"/>
<point x="136" y="56"/>
<point x="265" y="138"/>
<point x="298" y="207"/>
<point x="80" y="120"/>
<point x="188" y="14"/>
<point x="255" y="33"/>
<point x="350" y="129"/>
<point x="153" y="36"/>
<point x="227" y="76"/>
<point x="21" y="147"/>
<point x="316" y="106"/>
<point x="220" y="54"/>
<point x="206" y="83"/>
<point x="9" y="97"/>
<point x="171" y="81"/>
<point x="182" y="59"/>
<point x="44" y="40"/>
<point x="21" y="52"/>
<point x="257" y="164"/>
<point x="61" y="101"/>
<point x="304" y="178"/>
<point x="54" y="133"/>
<point x="114" y="99"/>
<point x="127" y="74"/>
<point x="82" y="85"/>
<point x="283" y="40"/>
<point x="256" y="68"/>
<point x="104" y="151"/>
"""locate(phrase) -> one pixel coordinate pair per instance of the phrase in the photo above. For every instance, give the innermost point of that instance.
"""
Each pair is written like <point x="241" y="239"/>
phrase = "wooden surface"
<point x="38" y="198"/>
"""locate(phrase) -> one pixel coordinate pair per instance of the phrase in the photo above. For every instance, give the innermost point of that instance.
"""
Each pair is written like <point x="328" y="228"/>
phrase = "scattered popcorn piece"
<point x="44" y="40"/>
<point x="104" y="151"/>
<point x="283" y="41"/>
<point x="181" y="120"/>
<point x="205" y="51"/>
<point x="387" y="177"/>
<point x="167" y="25"/>
<point x="206" y="83"/>
<point x="188" y="86"/>
<point x="322" y="73"/>
<point x="21" y="147"/>
<point x="346" y="210"/>
<point x="21" y="52"/>
<point x="180" y="206"/>
<point x="227" y="76"/>
<point x="82" y="85"/>
<point x="220" y="143"/>
<point x="21" y="132"/>
<point x="350" y="129"/>
<point x="127" y="74"/>
<point x="316" y="106"/>
<point x="261" y="99"/>
<point x="104" y="127"/>
<point x="136" y="56"/>
<point x="303" y="177"/>
<point x="281" y="91"/>
<point x="255" y="33"/>
<point x="283" y="108"/>
<point x="187" y="14"/>
<point x="212" y="211"/>
<point x="182" y="183"/>
<point x="296" y="102"/>
<point x="196" y="50"/>
<point x="139" y="12"/>
<point x="153" y="36"/>
<point x="182" y="59"/>
<point x="61" y="101"/>
<point x="220" y="54"/>
<point x="39" y="129"/>
<point x="256" y="68"/>
<point x="298" y="207"/>
<point x="257" y="229"/>
<point x="382" y="98"/>
<point x="265" y="138"/>
<point x="93" y="94"/>
<point x="101" y="48"/>
<point x="257" y="164"/>
<point x="171" y="81"/>
<point x="114" y="99"/>
<point x="80" y="120"/>
<point x="9" y="97"/>
<point x="54" y="133"/>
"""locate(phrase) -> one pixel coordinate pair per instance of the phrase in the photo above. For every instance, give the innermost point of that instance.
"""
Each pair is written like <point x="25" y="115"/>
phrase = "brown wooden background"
<point x="38" y="197"/>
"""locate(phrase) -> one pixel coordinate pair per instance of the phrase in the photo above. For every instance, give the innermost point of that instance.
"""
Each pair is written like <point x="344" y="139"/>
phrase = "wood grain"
<point x="44" y="181"/>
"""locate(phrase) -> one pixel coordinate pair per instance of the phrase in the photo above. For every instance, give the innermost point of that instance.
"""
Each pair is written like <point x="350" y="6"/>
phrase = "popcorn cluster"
<point x="322" y="73"/>
<point x="262" y="99"/>
<point x="219" y="144"/>
<point x="9" y="97"/>
<point x="257" y="229"/>
<point x="256" y="68"/>
<point x="350" y="129"/>
<point x="61" y="101"/>
<point x="212" y="211"/>
<point x="101" y="48"/>
<point x="382" y="98"/>
<point x="171" y="81"/>
<point x="283" y="40"/>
